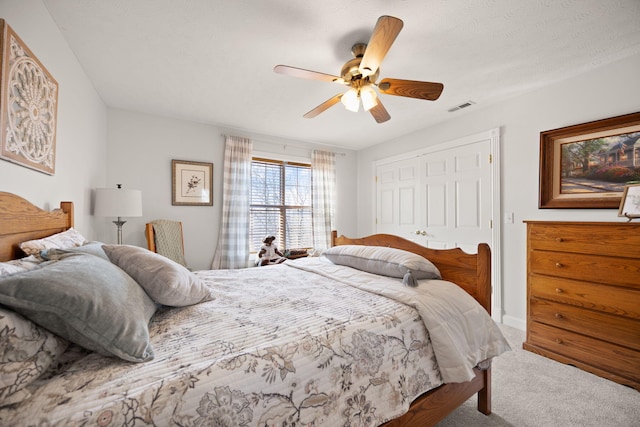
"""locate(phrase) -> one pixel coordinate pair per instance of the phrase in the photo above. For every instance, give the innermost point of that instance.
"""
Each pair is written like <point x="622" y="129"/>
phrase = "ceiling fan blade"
<point x="322" y="107"/>
<point x="380" y="113"/>
<point x="384" y="34"/>
<point x="305" y="74"/>
<point x="411" y="88"/>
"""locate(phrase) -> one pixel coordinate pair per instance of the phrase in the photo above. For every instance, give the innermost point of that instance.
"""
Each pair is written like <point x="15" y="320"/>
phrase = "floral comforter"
<point x="278" y="346"/>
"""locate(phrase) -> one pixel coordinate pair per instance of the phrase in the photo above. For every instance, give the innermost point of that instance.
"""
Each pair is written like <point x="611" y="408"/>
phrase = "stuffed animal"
<point x="269" y="253"/>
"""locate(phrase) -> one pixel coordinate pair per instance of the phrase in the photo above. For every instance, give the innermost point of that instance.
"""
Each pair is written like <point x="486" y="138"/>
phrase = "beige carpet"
<point x="531" y="390"/>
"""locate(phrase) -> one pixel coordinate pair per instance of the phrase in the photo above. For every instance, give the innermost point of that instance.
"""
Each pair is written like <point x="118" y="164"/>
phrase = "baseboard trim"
<point x="514" y="322"/>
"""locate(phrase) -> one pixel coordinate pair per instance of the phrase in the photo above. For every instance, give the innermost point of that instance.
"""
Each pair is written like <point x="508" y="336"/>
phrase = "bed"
<point x="308" y="342"/>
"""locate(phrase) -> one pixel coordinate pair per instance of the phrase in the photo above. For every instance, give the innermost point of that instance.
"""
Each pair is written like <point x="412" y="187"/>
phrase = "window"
<point x="280" y="204"/>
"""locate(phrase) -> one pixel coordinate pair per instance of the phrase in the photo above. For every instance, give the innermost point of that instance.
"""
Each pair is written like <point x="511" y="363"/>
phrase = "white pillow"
<point x="64" y="240"/>
<point x="385" y="262"/>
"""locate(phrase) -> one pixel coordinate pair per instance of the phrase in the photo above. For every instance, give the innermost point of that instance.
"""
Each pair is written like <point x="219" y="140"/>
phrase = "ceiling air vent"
<point x="461" y="106"/>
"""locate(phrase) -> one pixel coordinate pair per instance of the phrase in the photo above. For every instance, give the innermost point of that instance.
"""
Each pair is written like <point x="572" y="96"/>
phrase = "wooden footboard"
<point x="433" y="406"/>
<point x="472" y="272"/>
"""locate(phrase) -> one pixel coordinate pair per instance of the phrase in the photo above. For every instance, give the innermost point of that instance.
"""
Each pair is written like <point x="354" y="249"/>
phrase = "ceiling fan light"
<point x="369" y="98"/>
<point x="350" y="100"/>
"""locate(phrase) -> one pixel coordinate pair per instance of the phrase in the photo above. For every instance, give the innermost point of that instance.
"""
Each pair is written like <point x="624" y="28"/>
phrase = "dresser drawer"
<point x="614" y="239"/>
<point x="607" y="327"/>
<point x="593" y="268"/>
<point x="610" y="299"/>
<point x="590" y="351"/>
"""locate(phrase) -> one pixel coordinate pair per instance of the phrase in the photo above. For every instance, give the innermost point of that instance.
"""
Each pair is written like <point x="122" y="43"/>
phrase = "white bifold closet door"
<point x="440" y="199"/>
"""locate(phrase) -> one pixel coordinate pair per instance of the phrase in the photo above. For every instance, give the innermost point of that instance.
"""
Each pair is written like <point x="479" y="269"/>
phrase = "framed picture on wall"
<point x="588" y="165"/>
<point x="192" y="183"/>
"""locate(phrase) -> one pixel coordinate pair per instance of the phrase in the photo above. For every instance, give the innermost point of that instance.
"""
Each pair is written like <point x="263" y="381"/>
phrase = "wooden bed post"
<point x="484" y="276"/>
<point x="484" y="395"/>
<point x="67" y="207"/>
<point x="484" y="297"/>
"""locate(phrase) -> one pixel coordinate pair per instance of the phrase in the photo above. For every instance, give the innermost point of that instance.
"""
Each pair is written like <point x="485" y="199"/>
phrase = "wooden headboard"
<point x="472" y="272"/>
<point x="20" y="221"/>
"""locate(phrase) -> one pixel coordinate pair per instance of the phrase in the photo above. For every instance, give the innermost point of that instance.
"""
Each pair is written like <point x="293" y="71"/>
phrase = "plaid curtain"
<point x="233" y="238"/>
<point x="323" y="167"/>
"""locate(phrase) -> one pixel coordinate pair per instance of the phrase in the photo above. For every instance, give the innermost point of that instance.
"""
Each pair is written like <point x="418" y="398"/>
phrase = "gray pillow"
<point x="166" y="281"/>
<point x="384" y="261"/>
<point x="86" y="300"/>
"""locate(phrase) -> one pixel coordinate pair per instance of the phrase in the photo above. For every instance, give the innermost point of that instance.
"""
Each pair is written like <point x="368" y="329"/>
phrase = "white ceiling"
<point x="211" y="61"/>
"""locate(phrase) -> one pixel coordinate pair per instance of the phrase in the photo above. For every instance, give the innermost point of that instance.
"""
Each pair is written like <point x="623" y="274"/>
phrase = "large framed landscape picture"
<point x="588" y="165"/>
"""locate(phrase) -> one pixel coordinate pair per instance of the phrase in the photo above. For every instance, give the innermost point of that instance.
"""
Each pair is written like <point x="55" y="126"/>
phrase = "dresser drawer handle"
<point x="559" y="290"/>
<point x="559" y="316"/>
<point x="559" y="265"/>
<point x="558" y="341"/>
<point x="559" y="239"/>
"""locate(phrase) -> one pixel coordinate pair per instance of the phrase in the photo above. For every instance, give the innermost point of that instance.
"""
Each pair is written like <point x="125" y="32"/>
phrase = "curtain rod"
<point x="284" y="146"/>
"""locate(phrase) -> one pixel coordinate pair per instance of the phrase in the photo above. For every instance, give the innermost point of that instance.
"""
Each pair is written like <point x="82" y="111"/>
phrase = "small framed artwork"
<point x="587" y="166"/>
<point x="630" y="204"/>
<point x="192" y="183"/>
<point x="29" y="106"/>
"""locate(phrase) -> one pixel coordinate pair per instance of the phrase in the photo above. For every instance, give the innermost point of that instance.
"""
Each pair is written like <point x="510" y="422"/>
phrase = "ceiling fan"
<point x="361" y="73"/>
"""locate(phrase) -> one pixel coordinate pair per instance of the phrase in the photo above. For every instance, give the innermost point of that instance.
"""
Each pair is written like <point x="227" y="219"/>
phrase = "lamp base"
<point x="119" y="223"/>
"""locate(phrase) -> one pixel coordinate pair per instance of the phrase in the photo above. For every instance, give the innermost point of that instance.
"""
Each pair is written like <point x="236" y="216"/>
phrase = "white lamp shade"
<point x="118" y="202"/>
<point x="350" y="100"/>
<point x="369" y="97"/>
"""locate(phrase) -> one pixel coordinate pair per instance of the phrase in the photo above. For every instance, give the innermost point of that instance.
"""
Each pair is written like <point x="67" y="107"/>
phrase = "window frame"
<point x="283" y="207"/>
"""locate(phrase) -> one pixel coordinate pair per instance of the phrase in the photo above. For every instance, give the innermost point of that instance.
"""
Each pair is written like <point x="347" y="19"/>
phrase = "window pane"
<point x="299" y="228"/>
<point x="297" y="186"/>
<point x="265" y="183"/>
<point x="264" y="221"/>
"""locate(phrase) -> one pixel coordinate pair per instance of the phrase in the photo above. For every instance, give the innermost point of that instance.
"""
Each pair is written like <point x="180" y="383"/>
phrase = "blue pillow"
<point x="87" y="300"/>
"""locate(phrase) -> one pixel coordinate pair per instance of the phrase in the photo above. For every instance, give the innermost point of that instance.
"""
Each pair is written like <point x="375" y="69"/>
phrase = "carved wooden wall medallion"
<point x="29" y="98"/>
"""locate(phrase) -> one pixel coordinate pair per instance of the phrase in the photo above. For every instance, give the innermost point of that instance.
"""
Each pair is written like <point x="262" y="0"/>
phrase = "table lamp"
<point x="120" y="203"/>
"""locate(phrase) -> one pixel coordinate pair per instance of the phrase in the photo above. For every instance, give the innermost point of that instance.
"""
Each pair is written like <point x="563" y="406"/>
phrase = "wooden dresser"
<point x="583" y="296"/>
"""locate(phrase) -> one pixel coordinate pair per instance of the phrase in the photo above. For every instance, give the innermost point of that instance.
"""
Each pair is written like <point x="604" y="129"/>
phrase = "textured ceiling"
<point x="211" y="61"/>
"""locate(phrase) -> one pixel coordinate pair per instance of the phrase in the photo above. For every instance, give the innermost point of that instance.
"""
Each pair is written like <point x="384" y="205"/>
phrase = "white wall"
<point x="140" y="150"/>
<point x="81" y="132"/>
<point x="605" y="92"/>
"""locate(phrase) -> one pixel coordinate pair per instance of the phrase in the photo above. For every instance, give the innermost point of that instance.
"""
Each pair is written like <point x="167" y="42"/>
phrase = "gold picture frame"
<point x="192" y="183"/>
<point x="586" y="166"/>
<point x="28" y="106"/>
<point x="630" y="203"/>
